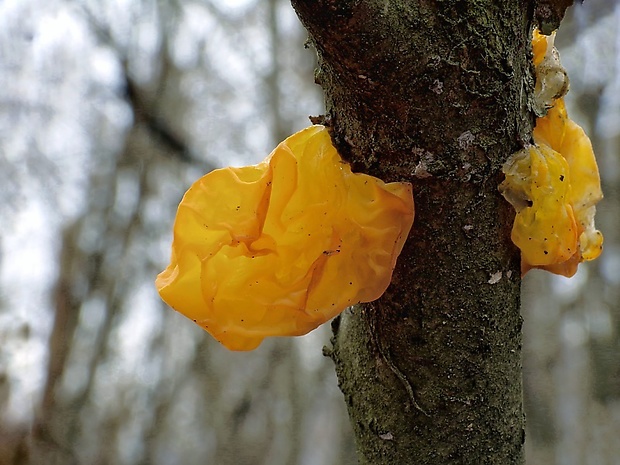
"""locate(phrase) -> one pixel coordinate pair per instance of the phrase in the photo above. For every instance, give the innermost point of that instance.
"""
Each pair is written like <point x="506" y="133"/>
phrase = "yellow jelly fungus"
<point x="278" y="248"/>
<point x="537" y="183"/>
<point x="562" y="134"/>
<point x="555" y="184"/>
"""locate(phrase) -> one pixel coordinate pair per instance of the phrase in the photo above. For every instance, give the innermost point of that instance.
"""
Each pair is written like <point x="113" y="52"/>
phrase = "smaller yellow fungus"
<point x="562" y="134"/>
<point x="554" y="185"/>
<point x="278" y="248"/>
<point x="537" y="184"/>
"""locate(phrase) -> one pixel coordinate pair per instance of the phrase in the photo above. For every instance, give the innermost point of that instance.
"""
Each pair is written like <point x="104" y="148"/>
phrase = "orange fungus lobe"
<point x="554" y="185"/>
<point x="278" y="248"/>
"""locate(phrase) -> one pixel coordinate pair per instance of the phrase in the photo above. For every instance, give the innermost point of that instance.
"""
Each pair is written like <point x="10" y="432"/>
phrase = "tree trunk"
<point x="435" y="93"/>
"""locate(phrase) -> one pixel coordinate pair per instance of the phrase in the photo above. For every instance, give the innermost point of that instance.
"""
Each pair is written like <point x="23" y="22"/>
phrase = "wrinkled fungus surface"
<point x="538" y="186"/>
<point x="562" y="134"/>
<point x="554" y="185"/>
<point x="278" y="248"/>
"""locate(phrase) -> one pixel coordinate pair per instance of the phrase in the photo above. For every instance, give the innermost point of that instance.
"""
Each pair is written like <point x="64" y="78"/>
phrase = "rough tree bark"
<point x="435" y="92"/>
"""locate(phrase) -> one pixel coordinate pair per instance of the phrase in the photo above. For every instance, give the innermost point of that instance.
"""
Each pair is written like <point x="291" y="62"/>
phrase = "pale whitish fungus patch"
<point x="551" y="77"/>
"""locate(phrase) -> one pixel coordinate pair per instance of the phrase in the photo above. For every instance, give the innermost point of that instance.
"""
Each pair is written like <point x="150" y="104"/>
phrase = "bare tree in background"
<point x="198" y="403"/>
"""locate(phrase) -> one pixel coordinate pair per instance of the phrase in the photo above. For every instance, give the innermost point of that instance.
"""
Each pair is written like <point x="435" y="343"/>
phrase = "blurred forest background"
<point x="108" y="111"/>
